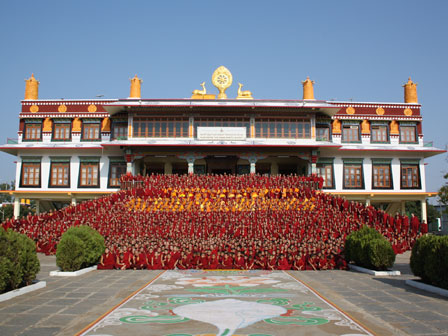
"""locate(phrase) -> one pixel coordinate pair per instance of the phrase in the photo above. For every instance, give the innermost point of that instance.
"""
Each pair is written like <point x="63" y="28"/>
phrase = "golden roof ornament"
<point x="410" y="92"/>
<point x="201" y="92"/>
<point x="308" y="89"/>
<point x="31" y="88"/>
<point x="222" y="79"/>
<point x="135" y="87"/>
<point x="243" y="94"/>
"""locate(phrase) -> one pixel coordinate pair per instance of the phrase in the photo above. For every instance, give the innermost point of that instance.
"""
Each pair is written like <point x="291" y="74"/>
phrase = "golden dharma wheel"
<point x="407" y="112"/>
<point x="380" y="111"/>
<point x="62" y="108"/>
<point x="350" y="110"/>
<point x="34" y="108"/>
<point x="92" y="108"/>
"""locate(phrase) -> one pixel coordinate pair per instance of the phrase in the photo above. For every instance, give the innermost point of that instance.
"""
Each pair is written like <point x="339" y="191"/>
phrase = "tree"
<point x="443" y="193"/>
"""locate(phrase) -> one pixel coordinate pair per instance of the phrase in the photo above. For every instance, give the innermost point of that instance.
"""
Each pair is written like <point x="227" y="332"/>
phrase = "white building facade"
<point x="73" y="150"/>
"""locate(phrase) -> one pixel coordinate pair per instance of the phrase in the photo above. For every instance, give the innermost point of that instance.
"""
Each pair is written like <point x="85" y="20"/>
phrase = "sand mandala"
<point x="225" y="303"/>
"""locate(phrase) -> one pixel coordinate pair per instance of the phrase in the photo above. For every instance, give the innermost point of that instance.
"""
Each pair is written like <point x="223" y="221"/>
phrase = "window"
<point x="382" y="177"/>
<point x="115" y="171"/>
<point x="410" y="176"/>
<point x="325" y="170"/>
<point x="88" y="176"/>
<point x="62" y="131"/>
<point x="379" y="134"/>
<point x="119" y="130"/>
<point x="30" y="174"/>
<point x="350" y="133"/>
<point x="283" y="128"/>
<point x="60" y="174"/>
<point x="353" y="178"/>
<point x="323" y="133"/>
<point x="152" y="127"/>
<point x="408" y="134"/>
<point x="33" y="132"/>
<point x="91" y="131"/>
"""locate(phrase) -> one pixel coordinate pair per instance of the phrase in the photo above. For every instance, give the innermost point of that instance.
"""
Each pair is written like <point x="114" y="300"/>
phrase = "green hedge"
<point x="19" y="264"/>
<point x="429" y="260"/>
<point x="78" y="248"/>
<point x="368" y="248"/>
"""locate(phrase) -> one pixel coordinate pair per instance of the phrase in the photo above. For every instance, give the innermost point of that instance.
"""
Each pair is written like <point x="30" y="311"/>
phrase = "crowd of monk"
<point x="220" y="222"/>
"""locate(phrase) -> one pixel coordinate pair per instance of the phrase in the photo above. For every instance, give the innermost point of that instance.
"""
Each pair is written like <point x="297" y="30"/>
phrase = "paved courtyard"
<point x="259" y="303"/>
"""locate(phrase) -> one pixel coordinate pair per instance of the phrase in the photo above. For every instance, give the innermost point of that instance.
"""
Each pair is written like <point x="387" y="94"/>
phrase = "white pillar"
<point x="16" y="207"/>
<point x="129" y="167"/>
<point x="190" y="167"/>
<point x="368" y="202"/>
<point x="37" y="202"/>
<point x="313" y="168"/>
<point x="403" y="207"/>
<point x="73" y="201"/>
<point x="168" y="168"/>
<point x="424" y="217"/>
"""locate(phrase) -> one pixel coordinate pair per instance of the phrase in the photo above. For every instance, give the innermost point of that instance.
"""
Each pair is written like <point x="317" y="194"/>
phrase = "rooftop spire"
<point x="31" y="88"/>
<point x="410" y="92"/>
<point x="135" y="87"/>
<point x="308" y="89"/>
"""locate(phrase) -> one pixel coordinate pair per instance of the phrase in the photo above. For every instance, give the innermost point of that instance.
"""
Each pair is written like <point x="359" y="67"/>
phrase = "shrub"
<point x="429" y="260"/>
<point x="19" y="264"/>
<point x="368" y="248"/>
<point x="79" y="247"/>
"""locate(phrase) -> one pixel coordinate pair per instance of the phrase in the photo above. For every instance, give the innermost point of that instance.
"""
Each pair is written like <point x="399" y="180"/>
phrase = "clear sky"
<point x="360" y="50"/>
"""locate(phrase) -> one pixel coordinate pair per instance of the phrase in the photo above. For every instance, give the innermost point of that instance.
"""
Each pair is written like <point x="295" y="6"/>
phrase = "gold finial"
<point x="222" y="79"/>
<point x="308" y="90"/>
<point x="31" y="88"/>
<point x="410" y="92"/>
<point x="243" y="94"/>
<point x="135" y="87"/>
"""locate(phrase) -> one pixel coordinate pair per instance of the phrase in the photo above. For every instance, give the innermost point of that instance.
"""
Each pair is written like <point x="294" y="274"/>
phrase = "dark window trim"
<point x="390" y="176"/>
<point x="109" y="177"/>
<point x="348" y="125"/>
<point x="333" y="185"/>
<point x="387" y="134"/>
<point x="418" y="172"/>
<point x="62" y="140"/>
<point x="90" y="140"/>
<point x="24" y="132"/>
<point x="362" y="175"/>
<point x="21" y="175"/>
<point x="51" y="173"/>
<point x="415" y="134"/>
<point x="98" y="175"/>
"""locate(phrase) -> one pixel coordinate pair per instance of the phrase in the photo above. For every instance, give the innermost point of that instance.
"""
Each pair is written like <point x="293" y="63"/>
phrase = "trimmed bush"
<point x="429" y="260"/>
<point x="19" y="264"/>
<point x="368" y="248"/>
<point x="78" y="248"/>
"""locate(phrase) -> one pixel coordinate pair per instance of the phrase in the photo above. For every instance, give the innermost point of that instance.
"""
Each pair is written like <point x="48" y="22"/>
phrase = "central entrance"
<point x="221" y="164"/>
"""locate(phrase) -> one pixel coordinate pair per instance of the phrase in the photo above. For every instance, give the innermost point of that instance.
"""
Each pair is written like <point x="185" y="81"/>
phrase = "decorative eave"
<point x="125" y="105"/>
<point x="422" y="150"/>
<point x="376" y="117"/>
<point x="14" y="149"/>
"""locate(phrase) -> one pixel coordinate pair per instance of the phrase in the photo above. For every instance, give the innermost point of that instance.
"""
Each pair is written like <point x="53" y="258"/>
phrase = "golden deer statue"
<point x="200" y="92"/>
<point x="243" y="94"/>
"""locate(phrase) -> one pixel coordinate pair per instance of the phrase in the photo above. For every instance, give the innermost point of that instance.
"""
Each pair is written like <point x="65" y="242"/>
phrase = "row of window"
<point x="379" y="133"/>
<point x="60" y="174"/>
<point x="150" y="127"/>
<point x="63" y="132"/>
<point x="381" y="176"/>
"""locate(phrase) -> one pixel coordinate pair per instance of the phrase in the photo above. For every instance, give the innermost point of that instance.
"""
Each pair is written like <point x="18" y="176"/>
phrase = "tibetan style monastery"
<point x="76" y="149"/>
